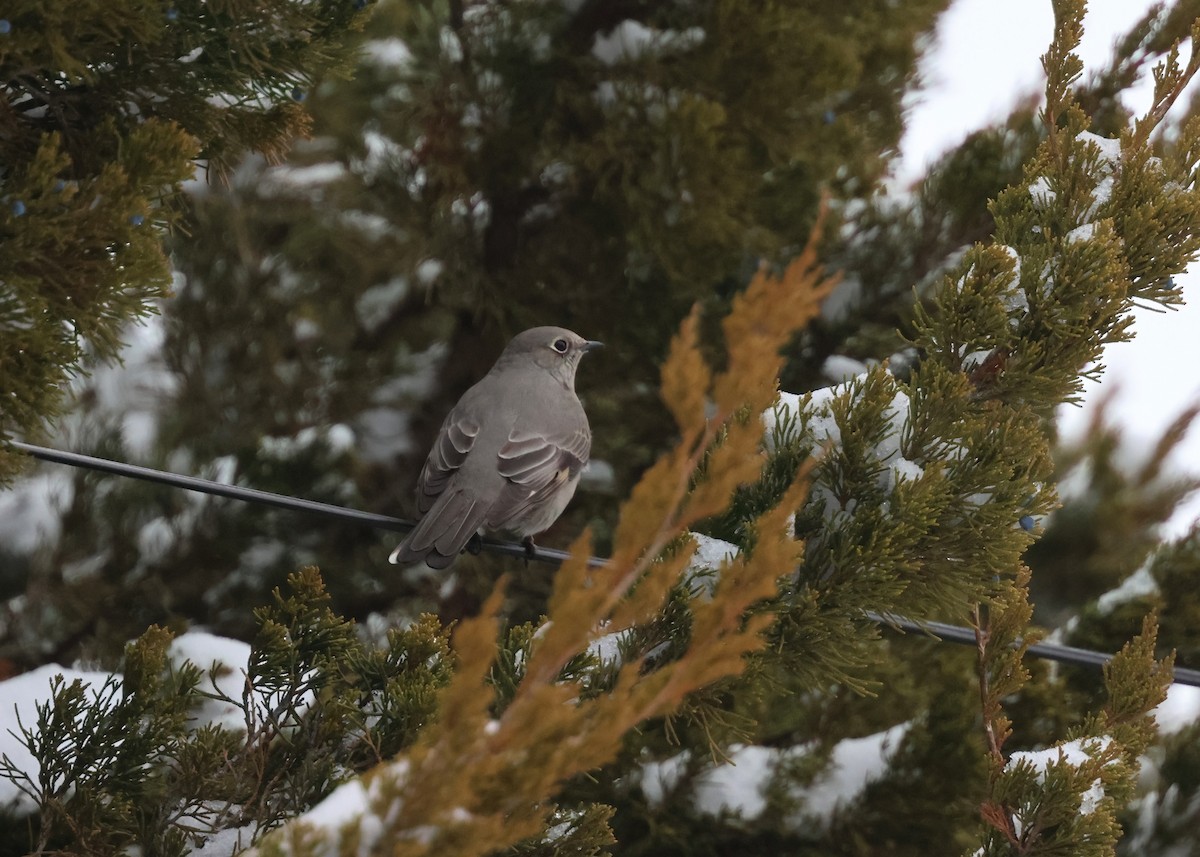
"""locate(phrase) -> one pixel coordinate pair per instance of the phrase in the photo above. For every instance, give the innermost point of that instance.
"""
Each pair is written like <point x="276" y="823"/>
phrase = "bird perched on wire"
<point x="510" y="453"/>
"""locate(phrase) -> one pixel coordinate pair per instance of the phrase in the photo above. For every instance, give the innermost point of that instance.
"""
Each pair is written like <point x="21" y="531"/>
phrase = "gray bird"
<point x="509" y="455"/>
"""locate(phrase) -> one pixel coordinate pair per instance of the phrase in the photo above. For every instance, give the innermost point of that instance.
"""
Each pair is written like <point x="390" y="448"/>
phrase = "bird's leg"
<point x="530" y="548"/>
<point x="474" y="545"/>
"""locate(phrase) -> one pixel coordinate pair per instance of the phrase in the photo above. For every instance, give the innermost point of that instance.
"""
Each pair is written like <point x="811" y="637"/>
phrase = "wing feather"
<point x="534" y="468"/>
<point x="449" y="451"/>
<point x="442" y="533"/>
<point x="533" y="460"/>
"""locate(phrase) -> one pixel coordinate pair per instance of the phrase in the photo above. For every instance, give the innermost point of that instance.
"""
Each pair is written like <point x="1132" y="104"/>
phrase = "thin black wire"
<point x="938" y="630"/>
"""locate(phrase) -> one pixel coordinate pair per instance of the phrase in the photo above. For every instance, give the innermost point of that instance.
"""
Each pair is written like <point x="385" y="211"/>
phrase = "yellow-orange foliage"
<point x="471" y="785"/>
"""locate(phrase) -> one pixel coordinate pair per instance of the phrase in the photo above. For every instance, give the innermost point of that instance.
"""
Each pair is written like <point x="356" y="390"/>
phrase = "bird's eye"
<point x="560" y="345"/>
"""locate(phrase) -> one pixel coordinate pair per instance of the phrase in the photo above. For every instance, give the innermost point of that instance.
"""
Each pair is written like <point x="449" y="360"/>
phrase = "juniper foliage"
<point x="491" y="166"/>
<point x="107" y="109"/>
<point x="141" y="762"/>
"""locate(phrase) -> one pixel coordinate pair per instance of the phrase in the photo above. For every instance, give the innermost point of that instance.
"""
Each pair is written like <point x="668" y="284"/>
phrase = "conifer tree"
<point x="489" y="166"/>
<point x="107" y="109"/>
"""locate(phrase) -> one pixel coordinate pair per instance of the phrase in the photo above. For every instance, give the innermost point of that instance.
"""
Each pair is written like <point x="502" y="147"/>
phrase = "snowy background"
<point x="985" y="58"/>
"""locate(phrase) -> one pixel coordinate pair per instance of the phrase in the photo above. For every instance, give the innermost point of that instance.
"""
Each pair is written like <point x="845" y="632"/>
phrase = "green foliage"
<point x="1066" y="798"/>
<point x="137" y="762"/>
<point x="444" y="204"/>
<point x="503" y="176"/>
<point x="1164" y="818"/>
<point x="582" y="832"/>
<point x="487" y="168"/>
<point x="1107" y="527"/>
<point x="94" y="789"/>
<point x="107" y="108"/>
<point x="921" y="481"/>
<point x="1174" y="571"/>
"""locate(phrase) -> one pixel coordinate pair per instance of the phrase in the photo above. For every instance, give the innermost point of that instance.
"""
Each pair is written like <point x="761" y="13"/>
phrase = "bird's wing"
<point x="534" y="466"/>
<point x="442" y="534"/>
<point x="449" y="452"/>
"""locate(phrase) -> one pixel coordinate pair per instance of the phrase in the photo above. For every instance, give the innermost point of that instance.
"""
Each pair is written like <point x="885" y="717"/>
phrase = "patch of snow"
<point x="305" y="330"/>
<point x="373" y="227"/>
<point x="429" y="270"/>
<point x="451" y="46"/>
<point x="739" y="786"/>
<point x="229" y="660"/>
<point x="710" y="552"/>
<point x="855" y="763"/>
<point x="30" y="510"/>
<point x="838" y="368"/>
<point x="1110" y="157"/>
<point x="632" y="39"/>
<point x="660" y="778"/>
<point x="337" y="438"/>
<point x="845" y="298"/>
<point x="1090" y="799"/>
<point x="383" y="434"/>
<point x="382" y="153"/>
<point x="1140" y="583"/>
<point x="1041" y="193"/>
<point x="1016" y="302"/>
<point x="703" y="571"/>
<point x="607" y="647"/>
<point x="155" y="540"/>
<point x="1082" y="233"/>
<point x="262" y="554"/>
<point x="1101" y="194"/>
<point x="905" y="470"/>
<point x="390" y="52"/>
<point x="896" y="415"/>
<point x="1110" y="149"/>
<point x="975" y="358"/>
<point x="83" y="569"/>
<point x="1014" y="299"/>
<point x="1011" y="253"/>
<point x="1179" y="710"/>
<point x="316" y="174"/>
<point x="223" y="469"/>
<point x="556" y="174"/>
<point x="598" y="477"/>
<point x="128" y="391"/>
<point x="226" y="842"/>
<point x="377" y="304"/>
<point x="349" y="813"/>
<point x="1073" y="753"/>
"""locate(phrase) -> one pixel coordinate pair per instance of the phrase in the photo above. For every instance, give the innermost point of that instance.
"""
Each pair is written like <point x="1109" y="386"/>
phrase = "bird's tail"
<point x="443" y="532"/>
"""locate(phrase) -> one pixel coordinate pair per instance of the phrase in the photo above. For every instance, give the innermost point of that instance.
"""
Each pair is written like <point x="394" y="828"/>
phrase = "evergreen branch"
<point x="1062" y="66"/>
<point x="995" y="732"/>
<point x="1169" y="83"/>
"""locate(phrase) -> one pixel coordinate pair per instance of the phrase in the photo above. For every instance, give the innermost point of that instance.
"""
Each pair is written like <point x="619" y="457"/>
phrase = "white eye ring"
<point x="559" y="345"/>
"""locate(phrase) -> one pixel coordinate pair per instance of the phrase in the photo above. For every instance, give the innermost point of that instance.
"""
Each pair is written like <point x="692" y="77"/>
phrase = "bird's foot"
<point x="474" y="545"/>
<point x="530" y="548"/>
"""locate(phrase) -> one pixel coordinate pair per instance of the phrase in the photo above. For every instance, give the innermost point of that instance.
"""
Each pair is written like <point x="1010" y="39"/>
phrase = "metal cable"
<point x="938" y="630"/>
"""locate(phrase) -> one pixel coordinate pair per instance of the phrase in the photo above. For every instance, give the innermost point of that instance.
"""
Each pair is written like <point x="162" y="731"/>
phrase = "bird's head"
<point x="555" y="349"/>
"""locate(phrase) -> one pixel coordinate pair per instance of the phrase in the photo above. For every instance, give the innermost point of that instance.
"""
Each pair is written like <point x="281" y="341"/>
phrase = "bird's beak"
<point x="591" y="345"/>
